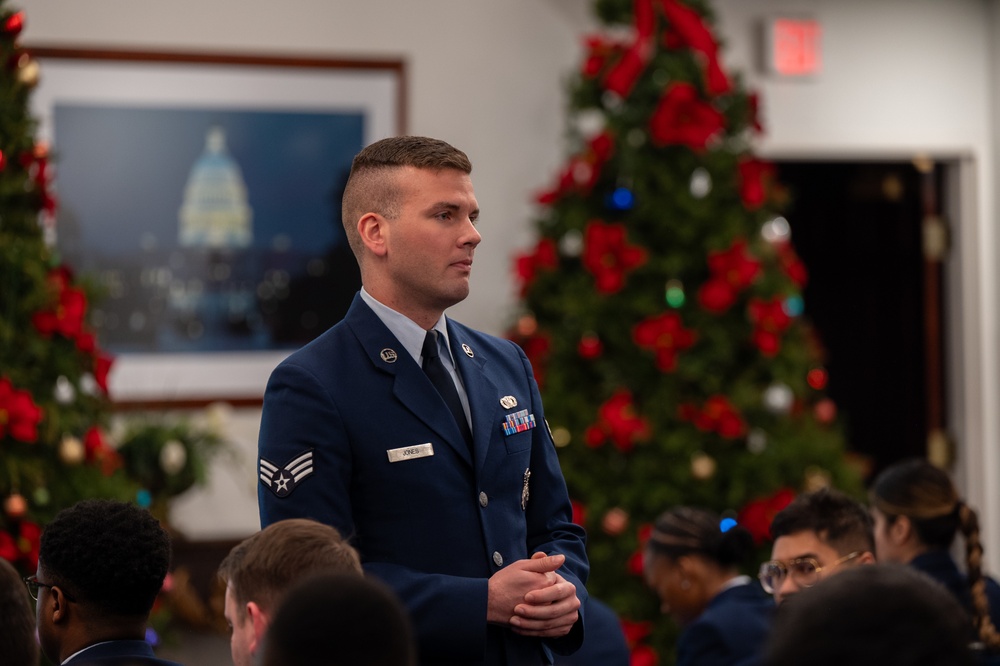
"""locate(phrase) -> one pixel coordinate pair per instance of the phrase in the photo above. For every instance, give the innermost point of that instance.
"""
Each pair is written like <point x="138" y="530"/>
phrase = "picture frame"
<point x="139" y="212"/>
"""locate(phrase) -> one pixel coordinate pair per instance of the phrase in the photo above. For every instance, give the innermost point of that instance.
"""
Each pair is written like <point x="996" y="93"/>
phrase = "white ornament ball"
<point x="64" y="392"/>
<point x="756" y="441"/>
<point x="173" y="457"/>
<point x="571" y="244"/>
<point x="778" y="398"/>
<point x="590" y="123"/>
<point x="701" y="183"/>
<point x="776" y="230"/>
<point x="89" y="385"/>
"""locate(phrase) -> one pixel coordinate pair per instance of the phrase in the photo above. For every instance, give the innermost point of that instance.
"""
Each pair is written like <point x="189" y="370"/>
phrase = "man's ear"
<point x="260" y="620"/>
<point x="57" y="605"/>
<point x="901" y="530"/>
<point x="866" y="557"/>
<point x="372" y="229"/>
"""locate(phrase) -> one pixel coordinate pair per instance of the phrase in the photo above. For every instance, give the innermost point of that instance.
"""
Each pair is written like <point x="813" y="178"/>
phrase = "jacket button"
<point x="483" y="499"/>
<point x="497" y="559"/>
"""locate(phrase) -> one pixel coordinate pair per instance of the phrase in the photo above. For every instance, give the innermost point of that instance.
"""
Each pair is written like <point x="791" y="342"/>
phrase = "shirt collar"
<point x="407" y="331"/>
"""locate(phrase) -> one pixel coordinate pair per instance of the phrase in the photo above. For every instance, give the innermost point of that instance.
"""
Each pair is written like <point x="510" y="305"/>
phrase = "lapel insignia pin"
<point x="388" y="355"/>
<point x="468" y="350"/>
<point x="508" y="402"/>
<point x="283" y="480"/>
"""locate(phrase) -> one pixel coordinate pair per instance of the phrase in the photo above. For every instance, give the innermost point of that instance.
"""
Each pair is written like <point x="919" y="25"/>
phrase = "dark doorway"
<point x="873" y="297"/>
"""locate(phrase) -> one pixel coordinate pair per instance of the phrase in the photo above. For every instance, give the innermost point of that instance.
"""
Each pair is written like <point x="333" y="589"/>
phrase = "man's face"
<point x="790" y="548"/>
<point x="430" y="245"/>
<point x="242" y="641"/>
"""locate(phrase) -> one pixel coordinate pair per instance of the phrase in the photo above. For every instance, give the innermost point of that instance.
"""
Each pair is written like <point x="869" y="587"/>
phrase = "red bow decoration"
<point x="665" y="334"/>
<point x="687" y="29"/>
<point x="608" y="256"/>
<point x="19" y="415"/>
<point x="618" y="421"/>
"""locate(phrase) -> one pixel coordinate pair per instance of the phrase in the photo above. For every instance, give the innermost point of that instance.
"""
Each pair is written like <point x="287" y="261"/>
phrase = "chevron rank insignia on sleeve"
<point x="283" y="480"/>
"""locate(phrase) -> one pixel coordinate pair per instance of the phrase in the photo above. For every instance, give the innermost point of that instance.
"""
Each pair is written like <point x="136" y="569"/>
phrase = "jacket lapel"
<point x="411" y="386"/>
<point x="480" y="390"/>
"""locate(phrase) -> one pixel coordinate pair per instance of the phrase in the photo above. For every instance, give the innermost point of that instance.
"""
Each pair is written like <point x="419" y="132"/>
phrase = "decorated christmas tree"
<point x="661" y="307"/>
<point x="55" y="412"/>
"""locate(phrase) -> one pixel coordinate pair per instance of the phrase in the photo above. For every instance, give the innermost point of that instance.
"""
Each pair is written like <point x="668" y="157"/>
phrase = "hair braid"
<point x="969" y="523"/>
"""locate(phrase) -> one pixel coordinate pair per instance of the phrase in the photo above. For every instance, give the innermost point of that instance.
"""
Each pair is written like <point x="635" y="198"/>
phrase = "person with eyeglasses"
<point x="817" y="535"/>
<point x="101" y="564"/>
<point x="692" y="561"/>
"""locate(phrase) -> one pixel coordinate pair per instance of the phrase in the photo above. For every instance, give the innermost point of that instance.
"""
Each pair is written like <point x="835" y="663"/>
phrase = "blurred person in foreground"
<point x="692" y="562"/>
<point x="18" y="644"/>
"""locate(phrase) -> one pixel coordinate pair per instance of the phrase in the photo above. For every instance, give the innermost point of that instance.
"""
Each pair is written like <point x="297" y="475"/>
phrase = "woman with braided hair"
<point x="917" y="512"/>
<point x="692" y="561"/>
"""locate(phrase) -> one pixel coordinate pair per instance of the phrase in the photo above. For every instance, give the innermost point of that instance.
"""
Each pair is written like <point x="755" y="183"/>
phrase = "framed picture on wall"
<point x="200" y="193"/>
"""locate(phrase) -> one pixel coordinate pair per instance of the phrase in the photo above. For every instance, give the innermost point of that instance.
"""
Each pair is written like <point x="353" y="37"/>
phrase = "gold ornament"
<point x="702" y="466"/>
<point x="561" y="437"/>
<point x="71" y="450"/>
<point x="15" y="506"/>
<point x="816" y="478"/>
<point x="615" y="521"/>
<point x="28" y="71"/>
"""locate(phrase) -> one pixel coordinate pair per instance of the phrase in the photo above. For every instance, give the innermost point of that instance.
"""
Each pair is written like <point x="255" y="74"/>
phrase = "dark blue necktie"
<point x="443" y="382"/>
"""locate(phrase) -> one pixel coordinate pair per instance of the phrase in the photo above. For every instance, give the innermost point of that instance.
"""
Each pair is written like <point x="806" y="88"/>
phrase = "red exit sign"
<point x="792" y="46"/>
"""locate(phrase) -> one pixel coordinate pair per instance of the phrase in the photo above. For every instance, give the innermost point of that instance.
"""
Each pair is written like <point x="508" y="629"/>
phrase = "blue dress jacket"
<point x="354" y="434"/>
<point x="731" y="631"/>
<point x="118" y="653"/>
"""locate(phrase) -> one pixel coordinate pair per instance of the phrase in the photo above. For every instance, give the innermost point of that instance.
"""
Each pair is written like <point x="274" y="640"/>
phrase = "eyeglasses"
<point x="805" y="571"/>
<point x="33" y="584"/>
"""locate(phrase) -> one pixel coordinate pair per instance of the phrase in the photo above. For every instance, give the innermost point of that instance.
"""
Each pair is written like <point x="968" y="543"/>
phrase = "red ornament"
<point x="643" y="655"/>
<point x="636" y="631"/>
<point x="817" y="378"/>
<point x="590" y="346"/>
<point x="579" y="513"/>
<point x="13" y="24"/>
<point x="825" y="411"/>
<point x="608" y="256"/>
<point x="3" y="161"/>
<point x="19" y="415"/>
<point x="716" y="296"/>
<point x="681" y="118"/>
<point x="666" y="335"/>
<point x="615" y="521"/>
<point x="618" y="421"/>
<point x="15" y="506"/>
<point x="600" y="50"/>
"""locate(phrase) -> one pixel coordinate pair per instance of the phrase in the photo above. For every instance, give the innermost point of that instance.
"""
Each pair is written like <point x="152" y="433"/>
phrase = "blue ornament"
<point x="621" y="199"/>
<point x="727" y="524"/>
<point x="793" y="306"/>
<point x="144" y="498"/>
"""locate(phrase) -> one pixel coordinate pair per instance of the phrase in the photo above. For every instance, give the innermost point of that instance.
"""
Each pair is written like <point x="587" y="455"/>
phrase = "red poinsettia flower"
<point x="688" y="29"/>
<point x="600" y="50"/>
<point x="636" y="631"/>
<point x="582" y="171"/>
<point x="19" y="415"/>
<point x="590" y="346"/>
<point x="618" y="421"/>
<point x="607" y="255"/>
<point x="20" y="548"/>
<point x="579" y="513"/>
<point x="536" y="347"/>
<point x="733" y="270"/>
<point x="770" y="320"/>
<point x="755" y="178"/>
<point x="681" y="118"/>
<point x="66" y="318"/>
<point x="665" y="334"/>
<point x="716" y="296"/>
<point x="97" y="451"/>
<point x="623" y="76"/>
<point x="544" y="256"/>
<point x="643" y="655"/>
<point x="756" y="516"/>
<point x="717" y="415"/>
<point x="637" y="560"/>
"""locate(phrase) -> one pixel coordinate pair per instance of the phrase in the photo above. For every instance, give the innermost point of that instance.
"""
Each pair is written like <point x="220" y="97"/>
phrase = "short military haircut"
<point x="837" y="520"/>
<point x="262" y="567"/>
<point x="870" y="616"/>
<point x="339" y="619"/>
<point x="18" y="644"/>
<point x="109" y="555"/>
<point x="372" y="185"/>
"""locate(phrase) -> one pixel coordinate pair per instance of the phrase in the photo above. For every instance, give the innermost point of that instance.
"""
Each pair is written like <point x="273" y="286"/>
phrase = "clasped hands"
<point x="532" y="598"/>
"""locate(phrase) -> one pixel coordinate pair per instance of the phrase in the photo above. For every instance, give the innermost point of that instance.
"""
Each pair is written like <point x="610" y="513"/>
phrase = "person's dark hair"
<point x="925" y="494"/>
<point x="372" y="185"/>
<point x="108" y="554"/>
<point x="17" y="620"/>
<point x="870" y="616"/>
<point x="686" y="530"/>
<point x="339" y="619"/>
<point x="262" y="567"/>
<point x="837" y="520"/>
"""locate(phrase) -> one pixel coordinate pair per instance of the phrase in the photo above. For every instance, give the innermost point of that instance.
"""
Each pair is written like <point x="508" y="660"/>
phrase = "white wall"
<point x="900" y="77"/>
